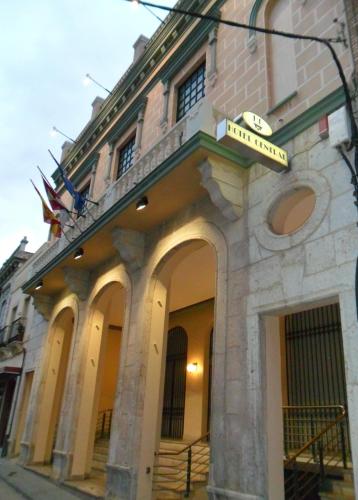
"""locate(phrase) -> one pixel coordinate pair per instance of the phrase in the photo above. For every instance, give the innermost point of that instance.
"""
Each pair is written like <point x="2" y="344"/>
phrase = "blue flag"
<point x="80" y="201"/>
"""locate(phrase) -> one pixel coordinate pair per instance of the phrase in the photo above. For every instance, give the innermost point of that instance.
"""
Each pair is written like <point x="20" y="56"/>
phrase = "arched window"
<point x="281" y="57"/>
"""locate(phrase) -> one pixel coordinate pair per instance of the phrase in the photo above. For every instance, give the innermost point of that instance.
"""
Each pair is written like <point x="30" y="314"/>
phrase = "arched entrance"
<point x="183" y="301"/>
<point x="100" y="375"/>
<point x="54" y="378"/>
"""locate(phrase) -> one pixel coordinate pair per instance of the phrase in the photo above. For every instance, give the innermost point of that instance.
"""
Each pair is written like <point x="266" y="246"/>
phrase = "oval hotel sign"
<point x="256" y="123"/>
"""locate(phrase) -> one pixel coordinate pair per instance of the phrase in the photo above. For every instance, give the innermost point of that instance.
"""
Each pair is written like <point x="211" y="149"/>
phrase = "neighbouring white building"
<point x="205" y="342"/>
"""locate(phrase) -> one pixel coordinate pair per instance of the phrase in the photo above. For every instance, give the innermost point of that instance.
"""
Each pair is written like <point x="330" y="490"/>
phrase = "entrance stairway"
<point x="318" y="459"/>
<point x="181" y="469"/>
<point x="100" y="455"/>
<point x="338" y="489"/>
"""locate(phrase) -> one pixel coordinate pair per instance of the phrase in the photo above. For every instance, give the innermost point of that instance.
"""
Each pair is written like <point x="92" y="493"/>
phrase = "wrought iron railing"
<point x="12" y="332"/>
<point x="176" y="471"/>
<point x="316" y="441"/>
<point x="16" y="330"/>
<point x="104" y="424"/>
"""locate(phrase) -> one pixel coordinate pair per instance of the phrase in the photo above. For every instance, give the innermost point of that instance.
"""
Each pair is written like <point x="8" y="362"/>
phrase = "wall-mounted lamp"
<point x="192" y="368"/>
<point x="39" y="285"/>
<point x="88" y="79"/>
<point x="142" y="203"/>
<point x="78" y="253"/>
<point x="55" y="131"/>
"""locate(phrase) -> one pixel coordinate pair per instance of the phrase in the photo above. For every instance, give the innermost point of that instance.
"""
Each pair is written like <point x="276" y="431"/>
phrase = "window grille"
<point x="126" y="155"/>
<point x="191" y="91"/>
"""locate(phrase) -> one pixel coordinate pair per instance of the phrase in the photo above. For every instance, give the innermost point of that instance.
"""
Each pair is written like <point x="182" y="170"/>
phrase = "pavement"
<point x="17" y="483"/>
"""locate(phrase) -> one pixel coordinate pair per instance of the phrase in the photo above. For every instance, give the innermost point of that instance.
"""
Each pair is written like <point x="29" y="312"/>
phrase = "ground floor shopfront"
<point x="205" y="321"/>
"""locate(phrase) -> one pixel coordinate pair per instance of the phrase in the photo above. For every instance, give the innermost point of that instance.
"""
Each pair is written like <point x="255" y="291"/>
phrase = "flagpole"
<point x="65" y="208"/>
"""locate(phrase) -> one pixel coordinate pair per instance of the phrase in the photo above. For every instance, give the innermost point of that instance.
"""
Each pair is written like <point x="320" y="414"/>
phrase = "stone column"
<point x="212" y="60"/>
<point x="78" y="283"/>
<point x="43" y="305"/>
<point x="122" y="467"/>
<point x="93" y="177"/>
<point x="108" y="171"/>
<point x="166" y="92"/>
<point x="139" y="131"/>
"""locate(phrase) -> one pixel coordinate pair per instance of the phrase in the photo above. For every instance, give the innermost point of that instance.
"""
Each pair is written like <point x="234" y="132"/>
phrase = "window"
<point x="281" y="53"/>
<point x="84" y="192"/>
<point x="292" y="210"/>
<point x="191" y="91"/>
<point x="126" y="156"/>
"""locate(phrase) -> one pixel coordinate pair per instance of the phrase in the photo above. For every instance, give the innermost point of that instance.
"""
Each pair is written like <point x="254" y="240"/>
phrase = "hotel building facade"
<point x="205" y="343"/>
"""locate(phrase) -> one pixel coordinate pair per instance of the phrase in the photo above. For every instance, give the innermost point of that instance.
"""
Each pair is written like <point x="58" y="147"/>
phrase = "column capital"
<point x="77" y="281"/>
<point x="43" y="305"/>
<point x="130" y="246"/>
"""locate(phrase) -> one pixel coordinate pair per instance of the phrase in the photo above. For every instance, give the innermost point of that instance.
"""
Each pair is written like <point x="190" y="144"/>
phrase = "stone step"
<point x="339" y="489"/>
<point x="101" y="450"/>
<point x="100" y="457"/>
<point x="101" y="466"/>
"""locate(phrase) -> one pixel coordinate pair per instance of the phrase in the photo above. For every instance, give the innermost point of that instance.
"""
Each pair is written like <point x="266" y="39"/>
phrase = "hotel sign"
<point x="251" y="145"/>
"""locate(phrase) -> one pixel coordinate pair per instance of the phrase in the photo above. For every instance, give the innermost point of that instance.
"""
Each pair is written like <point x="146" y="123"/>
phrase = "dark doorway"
<point x="7" y="388"/>
<point x="174" y="385"/>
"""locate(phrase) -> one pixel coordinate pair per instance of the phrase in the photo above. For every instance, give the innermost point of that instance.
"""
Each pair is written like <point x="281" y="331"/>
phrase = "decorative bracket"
<point x="43" y="305"/>
<point x="224" y="185"/>
<point x="77" y="281"/>
<point x="130" y="246"/>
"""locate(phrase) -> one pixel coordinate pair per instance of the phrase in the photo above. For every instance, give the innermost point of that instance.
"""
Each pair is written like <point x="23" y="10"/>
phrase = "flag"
<point x="49" y="217"/>
<point x="80" y="201"/>
<point x="53" y="197"/>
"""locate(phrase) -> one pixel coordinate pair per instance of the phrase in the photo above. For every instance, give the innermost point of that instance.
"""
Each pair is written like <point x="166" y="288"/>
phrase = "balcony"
<point x="167" y="173"/>
<point x="16" y="330"/>
<point x="11" y="337"/>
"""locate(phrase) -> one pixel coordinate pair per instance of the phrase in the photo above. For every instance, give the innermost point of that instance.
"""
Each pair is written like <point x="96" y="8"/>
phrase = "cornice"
<point x="158" y="46"/>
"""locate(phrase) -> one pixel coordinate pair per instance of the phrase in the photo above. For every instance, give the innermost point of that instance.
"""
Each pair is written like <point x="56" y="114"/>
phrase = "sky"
<point x="47" y="47"/>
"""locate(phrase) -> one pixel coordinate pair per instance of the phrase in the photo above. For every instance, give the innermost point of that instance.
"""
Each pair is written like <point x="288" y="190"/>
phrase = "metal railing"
<point x="16" y="330"/>
<point x="176" y="471"/>
<point x="104" y="424"/>
<point x="316" y="441"/>
<point x="12" y="332"/>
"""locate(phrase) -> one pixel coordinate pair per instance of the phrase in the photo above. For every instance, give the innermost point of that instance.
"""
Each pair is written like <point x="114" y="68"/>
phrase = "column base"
<point x="26" y="453"/>
<point x="62" y="464"/>
<point x="215" y="493"/>
<point x="120" y="482"/>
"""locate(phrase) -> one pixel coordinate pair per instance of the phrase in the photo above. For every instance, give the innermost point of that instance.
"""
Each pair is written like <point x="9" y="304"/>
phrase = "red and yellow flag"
<point x="49" y="217"/>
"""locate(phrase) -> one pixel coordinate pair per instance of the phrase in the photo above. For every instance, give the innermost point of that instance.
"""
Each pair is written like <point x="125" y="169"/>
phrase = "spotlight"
<point x="192" y="368"/>
<point x="39" y="285"/>
<point x="78" y="254"/>
<point x="135" y="3"/>
<point x="142" y="203"/>
<point x="87" y="80"/>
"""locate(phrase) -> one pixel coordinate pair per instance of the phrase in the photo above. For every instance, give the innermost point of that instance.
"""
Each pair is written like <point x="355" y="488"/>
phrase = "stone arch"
<point x="93" y="351"/>
<point x="59" y="347"/>
<point x="168" y="253"/>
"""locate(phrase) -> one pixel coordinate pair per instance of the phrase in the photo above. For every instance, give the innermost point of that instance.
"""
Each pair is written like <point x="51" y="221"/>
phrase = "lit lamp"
<point x="192" y="368"/>
<point x="39" y="285"/>
<point x="142" y="203"/>
<point x="78" y="254"/>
